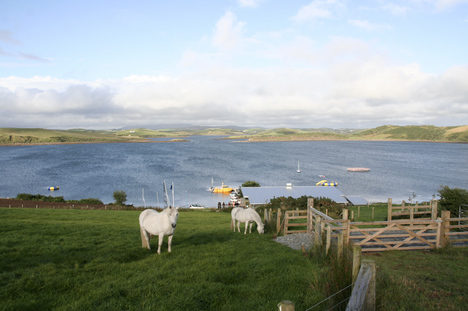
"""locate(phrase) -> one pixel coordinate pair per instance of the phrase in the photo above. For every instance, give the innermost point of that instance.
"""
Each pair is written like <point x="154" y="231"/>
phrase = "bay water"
<point x="398" y="170"/>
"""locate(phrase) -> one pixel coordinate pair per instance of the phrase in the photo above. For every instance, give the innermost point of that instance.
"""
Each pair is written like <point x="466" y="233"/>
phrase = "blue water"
<point x="398" y="169"/>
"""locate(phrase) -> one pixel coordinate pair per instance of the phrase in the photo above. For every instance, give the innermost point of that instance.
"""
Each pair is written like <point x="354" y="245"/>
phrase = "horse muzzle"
<point x="174" y="225"/>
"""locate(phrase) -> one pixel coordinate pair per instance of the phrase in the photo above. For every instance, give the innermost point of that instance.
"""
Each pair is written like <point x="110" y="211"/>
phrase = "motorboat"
<point x="53" y="188"/>
<point x="196" y="206"/>
<point x="222" y="189"/>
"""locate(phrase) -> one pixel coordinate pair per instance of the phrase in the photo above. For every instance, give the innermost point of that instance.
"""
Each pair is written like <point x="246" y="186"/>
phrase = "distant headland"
<point x="424" y="133"/>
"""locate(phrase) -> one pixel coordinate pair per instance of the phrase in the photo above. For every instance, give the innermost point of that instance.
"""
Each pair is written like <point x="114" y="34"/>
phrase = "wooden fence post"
<point x="389" y="211"/>
<point x="433" y="209"/>
<point x="363" y="295"/>
<point x="444" y="230"/>
<point x="346" y="226"/>
<point x="339" y="250"/>
<point x="278" y="221"/>
<point x="317" y="233"/>
<point x="370" y="296"/>
<point x="329" y="233"/>
<point x="310" y="214"/>
<point x="286" y="305"/>
<point x="357" y="254"/>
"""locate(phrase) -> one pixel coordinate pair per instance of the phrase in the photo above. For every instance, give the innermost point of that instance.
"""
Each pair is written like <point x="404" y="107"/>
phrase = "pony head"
<point x="173" y="215"/>
<point x="261" y="228"/>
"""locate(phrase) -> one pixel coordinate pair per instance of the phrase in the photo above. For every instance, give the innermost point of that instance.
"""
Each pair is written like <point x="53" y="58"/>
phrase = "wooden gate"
<point x="395" y="235"/>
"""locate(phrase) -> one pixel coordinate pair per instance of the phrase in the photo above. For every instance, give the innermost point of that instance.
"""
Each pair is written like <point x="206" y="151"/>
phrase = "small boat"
<point x="53" y="188"/>
<point x="327" y="183"/>
<point x="358" y="169"/>
<point x="298" y="167"/>
<point x="222" y="189"/>
<point x="196" y="206"/>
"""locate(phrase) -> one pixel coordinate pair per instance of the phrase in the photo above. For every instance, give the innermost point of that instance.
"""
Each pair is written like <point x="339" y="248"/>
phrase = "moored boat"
<point x="358" y="169"/>
<point x="222" y="189"/>
<point x="53" y="188"/>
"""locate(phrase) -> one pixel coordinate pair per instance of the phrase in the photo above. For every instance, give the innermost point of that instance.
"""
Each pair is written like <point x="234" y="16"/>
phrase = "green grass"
<point x="422" y="280"/>
<point x="93" y="260"/>
<point x="418" y="280"/>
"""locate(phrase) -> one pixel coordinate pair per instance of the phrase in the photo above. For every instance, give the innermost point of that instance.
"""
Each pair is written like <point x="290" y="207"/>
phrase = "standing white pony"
<point x="248" y="216"/>
<point x="161" y="224"/>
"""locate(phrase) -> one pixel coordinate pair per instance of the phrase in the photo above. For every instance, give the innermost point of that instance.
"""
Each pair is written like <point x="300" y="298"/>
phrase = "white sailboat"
<point x="298" y="167"/>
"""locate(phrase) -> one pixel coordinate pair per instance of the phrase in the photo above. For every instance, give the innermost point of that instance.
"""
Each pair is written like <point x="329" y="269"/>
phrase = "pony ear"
<point x="177" y="207"/>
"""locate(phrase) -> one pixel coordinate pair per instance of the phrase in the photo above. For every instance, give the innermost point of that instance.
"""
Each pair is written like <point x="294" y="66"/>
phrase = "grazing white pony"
<point x="161" y="224"/>
<point x="248" y="216"/>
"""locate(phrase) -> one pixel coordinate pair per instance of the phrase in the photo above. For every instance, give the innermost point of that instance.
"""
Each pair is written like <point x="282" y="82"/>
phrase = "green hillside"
<point x="44" y="136"/>
<point x="387" y="132"/>
<point x="415" y="133"/>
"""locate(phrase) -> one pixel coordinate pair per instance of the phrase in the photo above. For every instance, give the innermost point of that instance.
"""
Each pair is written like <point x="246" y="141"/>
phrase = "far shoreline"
<point x="139" y="141"/>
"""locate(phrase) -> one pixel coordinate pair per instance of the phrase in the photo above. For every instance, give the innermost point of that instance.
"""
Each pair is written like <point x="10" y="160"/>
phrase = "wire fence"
<point x="330" y="297"/>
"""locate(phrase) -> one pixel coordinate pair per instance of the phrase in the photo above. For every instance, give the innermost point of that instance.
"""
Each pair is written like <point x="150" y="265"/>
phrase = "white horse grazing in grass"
<point x="161" y="224"/>
<point x="248" y="216"/>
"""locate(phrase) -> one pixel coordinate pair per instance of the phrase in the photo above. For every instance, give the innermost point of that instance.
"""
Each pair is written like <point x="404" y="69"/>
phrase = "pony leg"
<point x="161" y="238"/>
<point x="250" y="230"/>
<point x="233" y="224"/>
<point x="169" y="242"/>
<point x="246" y="225"/>
<point x="238" y="226"/>
<point x="145" y="240"/>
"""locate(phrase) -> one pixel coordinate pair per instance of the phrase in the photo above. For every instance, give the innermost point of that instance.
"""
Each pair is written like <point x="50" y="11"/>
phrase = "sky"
<point x="99" y="64"/>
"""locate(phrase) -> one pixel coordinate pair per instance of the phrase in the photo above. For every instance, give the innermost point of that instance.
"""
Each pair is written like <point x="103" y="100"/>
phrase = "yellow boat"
<point x="222" y="189"/>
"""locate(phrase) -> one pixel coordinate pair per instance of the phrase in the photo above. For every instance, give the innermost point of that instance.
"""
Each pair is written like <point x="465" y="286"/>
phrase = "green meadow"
<point x="93" y="260"/>
<point x="53" y="259"/>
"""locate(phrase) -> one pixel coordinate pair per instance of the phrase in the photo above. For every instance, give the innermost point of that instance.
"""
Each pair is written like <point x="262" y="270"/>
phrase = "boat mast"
<point x="172" y="188"/>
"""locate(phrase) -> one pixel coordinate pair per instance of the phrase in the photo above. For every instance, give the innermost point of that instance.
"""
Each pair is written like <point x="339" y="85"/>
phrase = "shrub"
<point x="120" y="197"/>
<point x="39" y="197"/>
<point x="86" y="201"/>
<point x="250" y="183"/>
<point x="452" y="198"/>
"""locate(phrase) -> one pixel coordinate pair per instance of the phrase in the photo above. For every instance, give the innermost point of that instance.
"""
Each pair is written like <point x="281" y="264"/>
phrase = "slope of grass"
<point x="31" y="136"/>
<point x="93" y="260"/>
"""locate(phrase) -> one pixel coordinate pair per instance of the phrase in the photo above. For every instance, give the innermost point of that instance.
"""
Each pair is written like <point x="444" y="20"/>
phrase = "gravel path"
<point x="296" y="240"/>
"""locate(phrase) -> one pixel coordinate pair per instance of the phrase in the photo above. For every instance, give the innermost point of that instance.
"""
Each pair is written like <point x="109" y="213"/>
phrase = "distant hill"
<point x="415" y="133"/>
<point x="10" y="136"/>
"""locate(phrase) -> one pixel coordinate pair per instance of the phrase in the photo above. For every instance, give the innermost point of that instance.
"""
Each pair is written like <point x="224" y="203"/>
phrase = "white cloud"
<point x="365" y="24"/>
<point x="317" y="9"/>
<point x="360" y="90"/>
<point x="395" y="9"/>
<point x="228" y="32"/>
<point x="447" y="4"/>
<point x="249" y="3"/>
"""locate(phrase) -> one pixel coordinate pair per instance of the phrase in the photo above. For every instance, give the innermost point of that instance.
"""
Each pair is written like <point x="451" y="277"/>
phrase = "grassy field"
<point x="93" y="260"/>
<point x="418" y="280"/>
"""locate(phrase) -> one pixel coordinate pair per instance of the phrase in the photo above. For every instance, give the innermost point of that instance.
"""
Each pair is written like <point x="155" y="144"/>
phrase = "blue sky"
<point x="270" y="63"/>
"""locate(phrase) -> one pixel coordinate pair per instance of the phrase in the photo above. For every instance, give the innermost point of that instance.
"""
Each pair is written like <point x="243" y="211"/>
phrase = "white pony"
<point x="248" y="216"/>
<point x="154" y="223"/>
